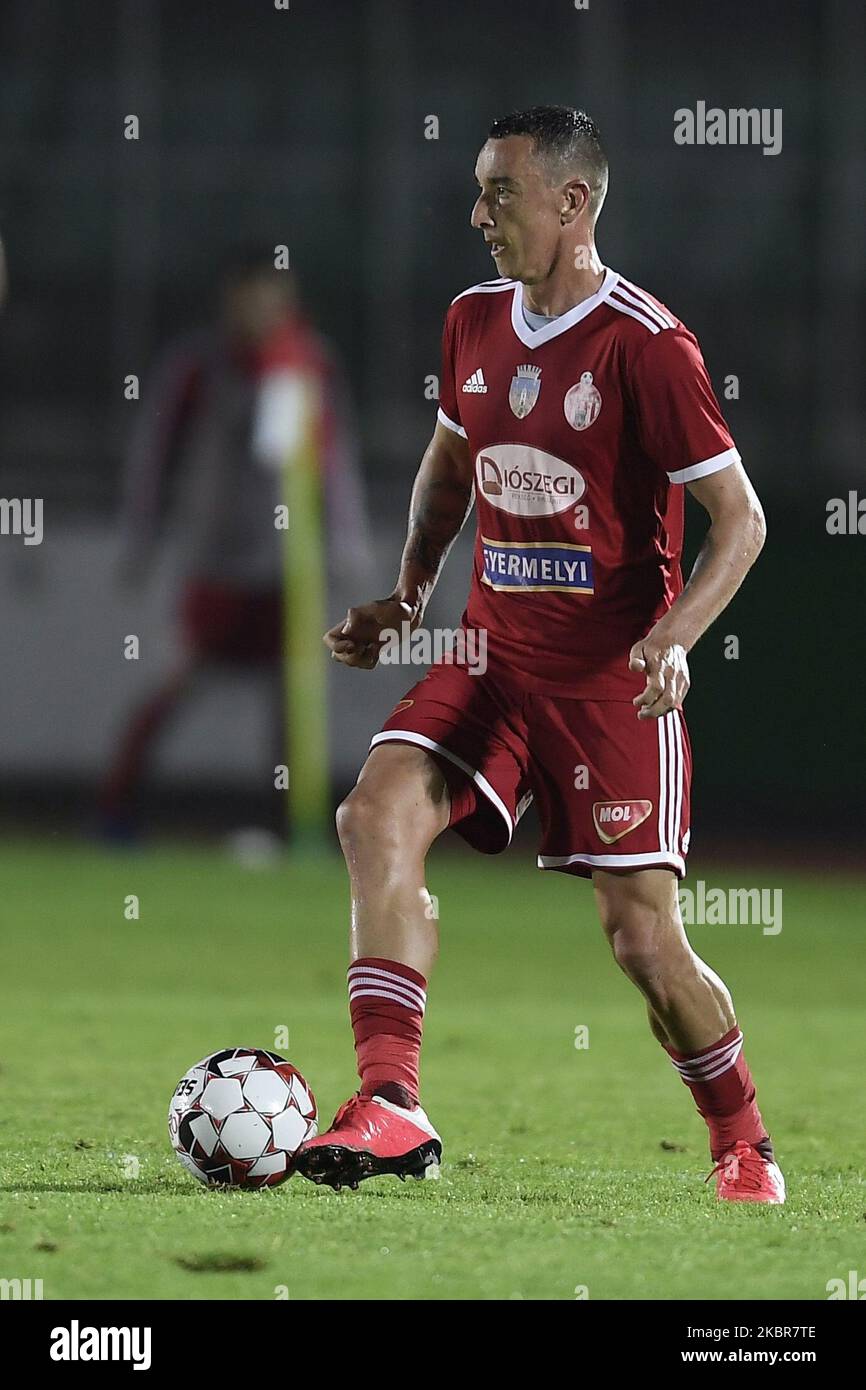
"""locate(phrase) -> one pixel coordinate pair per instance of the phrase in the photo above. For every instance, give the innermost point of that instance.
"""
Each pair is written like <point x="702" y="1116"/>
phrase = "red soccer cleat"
<point x="370" y="1136"/>
<point x="744" y="1175"/>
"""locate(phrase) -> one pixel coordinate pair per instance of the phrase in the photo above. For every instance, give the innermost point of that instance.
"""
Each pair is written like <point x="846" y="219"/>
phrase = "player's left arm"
<point x="732" y="544"/>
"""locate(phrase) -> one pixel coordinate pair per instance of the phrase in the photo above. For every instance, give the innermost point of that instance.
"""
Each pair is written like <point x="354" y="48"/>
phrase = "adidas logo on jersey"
<point x="475" y="385"/>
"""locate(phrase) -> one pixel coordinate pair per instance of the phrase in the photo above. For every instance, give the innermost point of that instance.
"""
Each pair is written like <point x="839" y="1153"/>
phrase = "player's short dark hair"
<point x="565" y="139"/>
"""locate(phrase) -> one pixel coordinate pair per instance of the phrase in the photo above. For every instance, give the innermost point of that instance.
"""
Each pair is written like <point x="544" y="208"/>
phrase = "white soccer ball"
<point x="239" y="1116"/>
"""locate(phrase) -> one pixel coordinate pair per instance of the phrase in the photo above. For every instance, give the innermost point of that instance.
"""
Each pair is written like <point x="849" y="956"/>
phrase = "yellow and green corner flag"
<point x="305" y="659"/>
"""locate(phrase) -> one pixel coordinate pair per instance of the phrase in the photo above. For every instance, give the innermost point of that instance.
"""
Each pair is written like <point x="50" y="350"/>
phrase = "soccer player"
<point x="576" y="407"/>
<point x="196" y="456"/>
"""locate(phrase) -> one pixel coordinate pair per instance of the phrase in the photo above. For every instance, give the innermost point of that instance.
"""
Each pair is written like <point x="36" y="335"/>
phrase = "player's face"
<point x="517" y="210"/>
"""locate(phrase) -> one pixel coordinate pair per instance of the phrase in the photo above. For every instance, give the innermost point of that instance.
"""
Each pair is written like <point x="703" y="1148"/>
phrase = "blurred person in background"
<point x="197" y="455"/>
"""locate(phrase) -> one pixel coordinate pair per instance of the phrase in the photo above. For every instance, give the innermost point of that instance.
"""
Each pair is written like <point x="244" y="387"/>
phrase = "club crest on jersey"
<point x="613" y="819"/>
<point x="524" y="389"/>
<point x="582" y="403"/>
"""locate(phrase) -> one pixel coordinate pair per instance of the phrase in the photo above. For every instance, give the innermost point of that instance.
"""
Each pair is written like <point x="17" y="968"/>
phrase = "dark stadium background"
<point x="307" y="127"/>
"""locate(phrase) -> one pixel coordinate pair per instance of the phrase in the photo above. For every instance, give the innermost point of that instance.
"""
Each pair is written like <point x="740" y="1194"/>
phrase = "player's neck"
<point x="566" y="286"/>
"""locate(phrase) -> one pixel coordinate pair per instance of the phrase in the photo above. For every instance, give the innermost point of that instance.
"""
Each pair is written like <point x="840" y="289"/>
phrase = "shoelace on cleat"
<point x="346" y="1109"/>
<point x="750" y="1169"/>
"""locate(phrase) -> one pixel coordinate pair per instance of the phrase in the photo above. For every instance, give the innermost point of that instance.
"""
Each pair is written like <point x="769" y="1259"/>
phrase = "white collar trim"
<point x="534" y="337"/>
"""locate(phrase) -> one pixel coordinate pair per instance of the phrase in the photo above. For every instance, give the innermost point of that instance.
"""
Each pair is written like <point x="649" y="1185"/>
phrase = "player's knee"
<point x="635" y="928"/>
<point x="640" y="920"/>
<point x="369" y="822"/>
<point x="635" y="948"/>
<point x="358" y="817"/>
<point x="397" y="808"/>
<point x="648" y="950"/>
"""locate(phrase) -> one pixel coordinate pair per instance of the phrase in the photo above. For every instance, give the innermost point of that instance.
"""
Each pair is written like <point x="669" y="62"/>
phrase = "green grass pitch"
<point x="564" y="1168"/>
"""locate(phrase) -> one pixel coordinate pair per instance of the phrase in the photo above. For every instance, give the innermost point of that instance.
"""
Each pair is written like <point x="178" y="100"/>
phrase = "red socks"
<point x="386" y="1002"/>
<point x="721" y="1083"/>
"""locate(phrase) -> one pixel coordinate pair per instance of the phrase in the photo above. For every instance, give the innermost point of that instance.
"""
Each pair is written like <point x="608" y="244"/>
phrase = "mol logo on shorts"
<point x="526" y="482"/>
<point x="613" y="819"/>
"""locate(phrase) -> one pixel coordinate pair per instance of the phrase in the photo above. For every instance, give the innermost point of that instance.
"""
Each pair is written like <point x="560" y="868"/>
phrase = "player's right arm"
<point x="441" y="501"/>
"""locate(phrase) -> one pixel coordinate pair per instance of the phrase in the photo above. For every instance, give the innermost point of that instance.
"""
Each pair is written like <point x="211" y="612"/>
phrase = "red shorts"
<point x="241" y="627"/>
<point x="612" y="791"/>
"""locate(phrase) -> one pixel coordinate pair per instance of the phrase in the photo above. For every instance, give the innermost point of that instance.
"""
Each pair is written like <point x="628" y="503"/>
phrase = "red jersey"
<point x="582" y="432"/>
